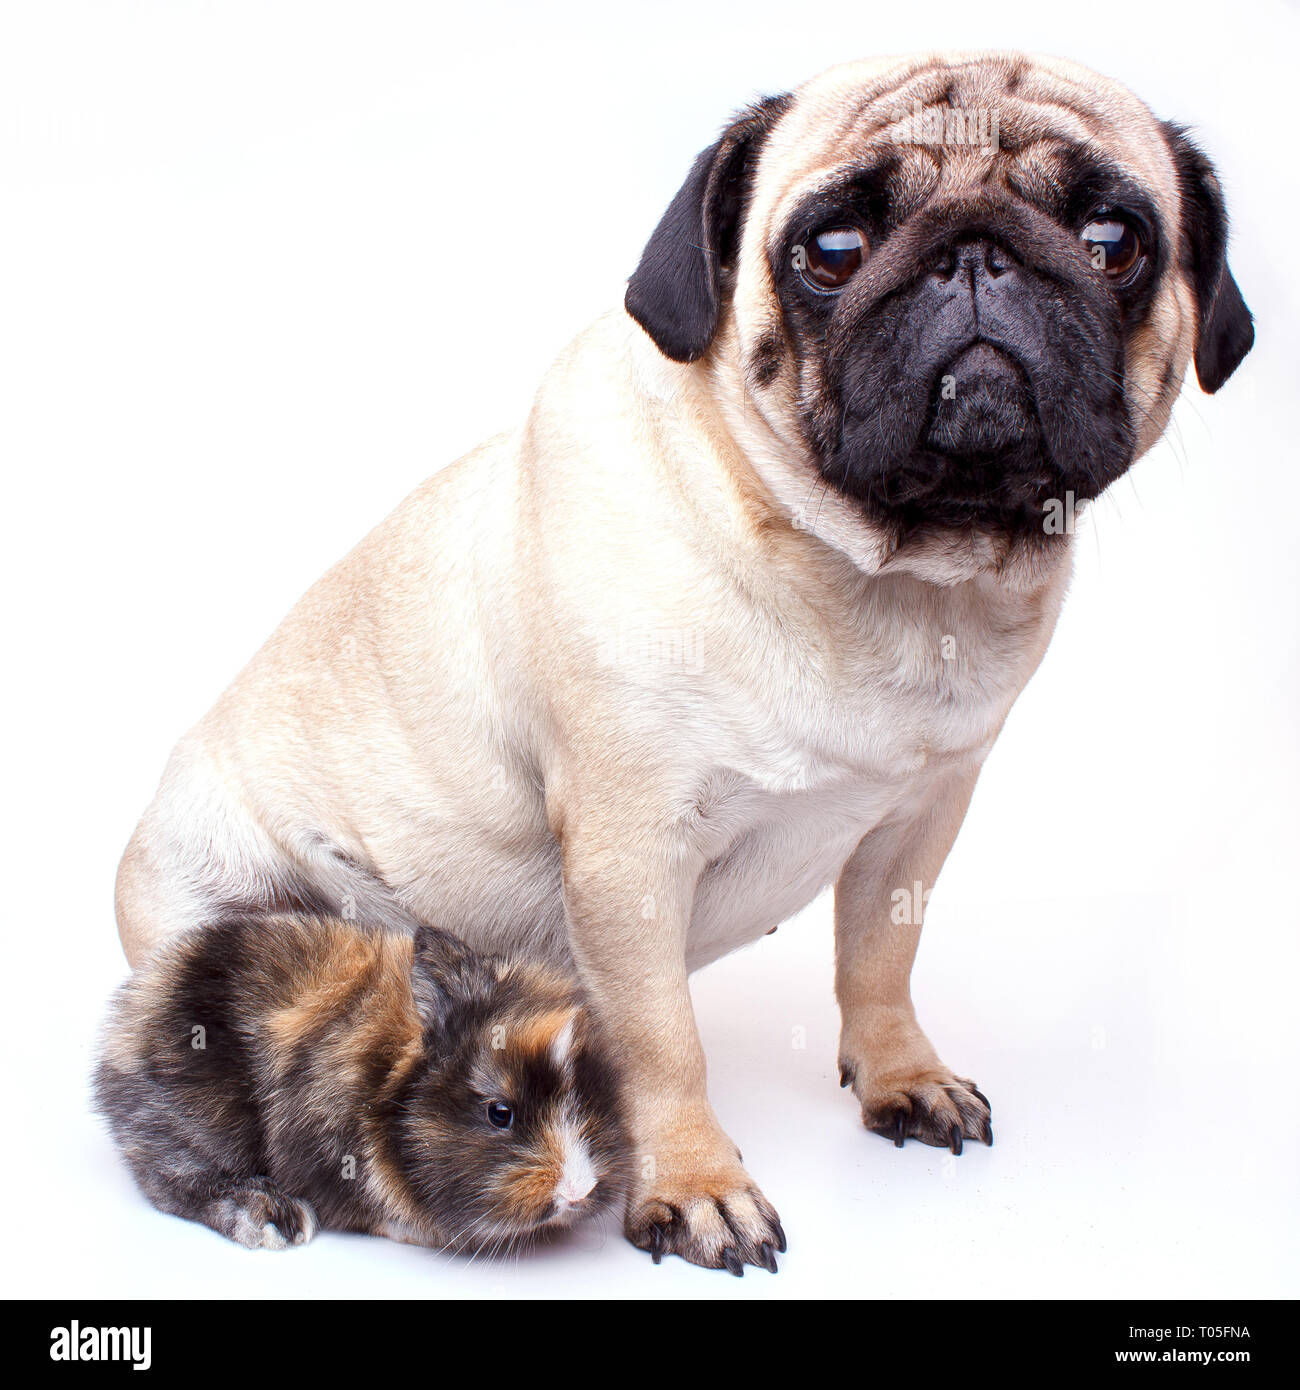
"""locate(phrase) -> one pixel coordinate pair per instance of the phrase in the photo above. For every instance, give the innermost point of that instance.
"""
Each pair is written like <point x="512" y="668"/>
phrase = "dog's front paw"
<point x="930" y="1104"/>
<point x="716" y="1218"/>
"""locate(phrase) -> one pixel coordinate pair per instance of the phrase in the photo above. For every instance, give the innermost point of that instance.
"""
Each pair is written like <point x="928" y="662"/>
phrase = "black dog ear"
<point x="1225" y="332"/>
<point x="446" y="976"/>
<point x="675" y="294"/>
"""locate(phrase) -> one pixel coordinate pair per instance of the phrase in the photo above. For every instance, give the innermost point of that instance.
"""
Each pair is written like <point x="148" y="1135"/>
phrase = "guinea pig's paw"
<point x="931" y="1105"/>
<point x="719" y="1220"/>
<point x="261" y="1217"/>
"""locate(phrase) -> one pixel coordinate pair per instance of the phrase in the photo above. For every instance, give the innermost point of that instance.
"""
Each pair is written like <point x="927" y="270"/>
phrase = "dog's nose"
<point x="984" y="405"/>
<point x="972" y="258"/>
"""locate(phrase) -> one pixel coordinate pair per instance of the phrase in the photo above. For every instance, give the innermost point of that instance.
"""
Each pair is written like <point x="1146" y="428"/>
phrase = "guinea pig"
<point x="268" y="1076"/>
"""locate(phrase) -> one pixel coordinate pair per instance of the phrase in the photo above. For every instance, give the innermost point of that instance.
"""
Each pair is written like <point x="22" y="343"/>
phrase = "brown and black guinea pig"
<point x="271" y="1075"/>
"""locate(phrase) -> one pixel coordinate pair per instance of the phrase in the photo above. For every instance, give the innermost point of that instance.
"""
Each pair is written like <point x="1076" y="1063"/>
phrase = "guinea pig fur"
<point x="269" y="1075"/>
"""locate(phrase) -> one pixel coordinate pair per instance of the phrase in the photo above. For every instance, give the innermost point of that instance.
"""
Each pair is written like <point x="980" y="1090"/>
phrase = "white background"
<point x="265" y="266"/>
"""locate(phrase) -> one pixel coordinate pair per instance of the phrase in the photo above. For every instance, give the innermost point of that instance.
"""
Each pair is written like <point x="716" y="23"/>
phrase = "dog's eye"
<point x="500" y="1114"/>
<point x="1112" y="244"/>
<point x="828" y="260"/>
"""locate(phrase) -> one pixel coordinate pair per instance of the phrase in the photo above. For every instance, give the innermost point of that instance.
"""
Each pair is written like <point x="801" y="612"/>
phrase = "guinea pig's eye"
<point x="828" y="260"/>
<point x="500" y="1114"/>
<point x="1112" y="244"/>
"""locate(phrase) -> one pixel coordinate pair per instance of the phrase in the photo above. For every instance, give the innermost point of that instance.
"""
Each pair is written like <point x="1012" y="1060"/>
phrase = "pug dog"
<point x="740" y="608"/>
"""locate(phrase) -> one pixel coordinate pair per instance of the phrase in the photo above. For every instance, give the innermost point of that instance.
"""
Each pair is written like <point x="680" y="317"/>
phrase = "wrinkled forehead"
<point x="954" y="121"/>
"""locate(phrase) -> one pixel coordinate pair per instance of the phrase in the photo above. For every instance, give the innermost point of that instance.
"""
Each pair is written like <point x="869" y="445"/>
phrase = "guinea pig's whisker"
<point x="467" y="1233"/>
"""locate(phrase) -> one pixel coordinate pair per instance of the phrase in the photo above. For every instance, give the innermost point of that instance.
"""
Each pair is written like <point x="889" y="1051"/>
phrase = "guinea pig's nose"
<point x="572" y="1190"/>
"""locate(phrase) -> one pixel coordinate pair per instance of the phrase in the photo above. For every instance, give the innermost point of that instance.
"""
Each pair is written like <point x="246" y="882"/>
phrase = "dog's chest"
<point x="773" y="848"/>
<point x="774" y="852"/>
<point x="814" y="765"/>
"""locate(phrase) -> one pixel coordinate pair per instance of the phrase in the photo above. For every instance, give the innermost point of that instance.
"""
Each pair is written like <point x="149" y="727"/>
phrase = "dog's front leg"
<point x="628" y="900"/>
<point x="904" y="1089"/>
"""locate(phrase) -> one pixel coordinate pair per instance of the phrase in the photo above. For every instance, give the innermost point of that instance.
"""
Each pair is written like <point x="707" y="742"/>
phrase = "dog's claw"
<point x="845" y="1078"/>
<point x="980" y="1096"/>
<point x="940" y="1110"/>
<point x="988" y="1133"/>
<point x="741" y="1229"/>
